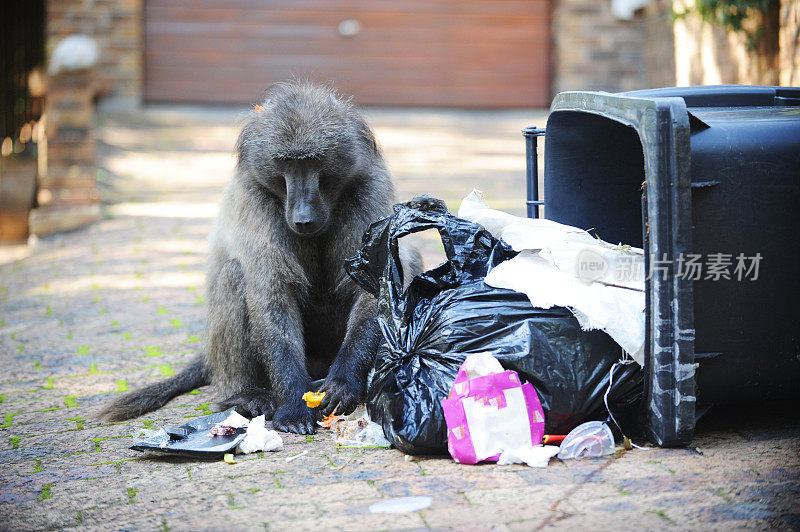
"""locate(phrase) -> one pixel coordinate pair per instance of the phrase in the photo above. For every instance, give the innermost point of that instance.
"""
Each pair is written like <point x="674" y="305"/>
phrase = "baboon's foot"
<point x="250" y="403"/>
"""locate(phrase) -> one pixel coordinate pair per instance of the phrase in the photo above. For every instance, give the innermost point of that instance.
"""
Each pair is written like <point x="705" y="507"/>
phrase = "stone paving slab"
<point x="92" y="313"/>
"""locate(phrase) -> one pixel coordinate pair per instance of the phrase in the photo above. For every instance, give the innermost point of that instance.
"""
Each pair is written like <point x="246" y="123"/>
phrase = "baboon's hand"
<point x="342" y="396"/>
<point x="295" y="417"/>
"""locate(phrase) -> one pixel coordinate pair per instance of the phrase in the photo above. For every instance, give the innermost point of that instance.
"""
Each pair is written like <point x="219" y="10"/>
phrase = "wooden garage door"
<point x="473" y="53"/>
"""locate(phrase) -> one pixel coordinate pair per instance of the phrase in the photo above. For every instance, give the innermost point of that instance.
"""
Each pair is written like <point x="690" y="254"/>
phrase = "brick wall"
<point x="116" y="25"/>
<point x="67" y="191"/>
<point x="593" y="50"/>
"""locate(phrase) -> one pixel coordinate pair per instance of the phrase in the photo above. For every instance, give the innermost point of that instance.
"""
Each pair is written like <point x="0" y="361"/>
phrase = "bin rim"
<point x="663" y="125"/>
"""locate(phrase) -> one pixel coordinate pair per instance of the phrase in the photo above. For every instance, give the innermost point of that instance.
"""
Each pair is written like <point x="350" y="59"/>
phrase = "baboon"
<point x="309" y="180"/>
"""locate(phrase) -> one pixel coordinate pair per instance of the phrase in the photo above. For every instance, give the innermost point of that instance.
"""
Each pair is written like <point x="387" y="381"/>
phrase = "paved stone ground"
<point x="98" y="311"/>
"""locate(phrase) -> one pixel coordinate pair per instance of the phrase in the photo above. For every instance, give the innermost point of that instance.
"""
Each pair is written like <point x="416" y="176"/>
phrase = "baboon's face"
<point x="307" y="212"/>
<point x="311" y="187"/>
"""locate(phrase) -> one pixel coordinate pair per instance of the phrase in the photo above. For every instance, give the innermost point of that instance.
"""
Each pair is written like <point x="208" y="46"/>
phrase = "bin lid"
<point x="725" y="95"/>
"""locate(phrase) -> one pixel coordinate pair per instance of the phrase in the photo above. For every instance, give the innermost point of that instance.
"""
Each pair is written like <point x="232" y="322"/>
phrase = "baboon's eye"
<point x="280" y="181"/>
<point x="326" y="179"/>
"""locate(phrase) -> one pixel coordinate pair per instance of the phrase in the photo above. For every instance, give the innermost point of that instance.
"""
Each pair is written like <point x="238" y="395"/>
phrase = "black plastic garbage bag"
<point x="448" y="313"/>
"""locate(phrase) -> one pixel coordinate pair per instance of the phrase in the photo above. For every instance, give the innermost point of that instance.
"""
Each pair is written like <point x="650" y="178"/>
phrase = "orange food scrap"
<point x="258" y="108"/>
<point x="313" y="399"/>
<point x="328" y="420"/>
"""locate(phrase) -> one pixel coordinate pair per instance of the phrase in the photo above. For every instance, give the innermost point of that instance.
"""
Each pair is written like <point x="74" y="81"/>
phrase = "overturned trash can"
<point x="707" y="181"/>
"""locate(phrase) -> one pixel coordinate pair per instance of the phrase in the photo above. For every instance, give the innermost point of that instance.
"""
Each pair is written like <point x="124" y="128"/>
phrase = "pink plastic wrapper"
<point x="489" y="414"/>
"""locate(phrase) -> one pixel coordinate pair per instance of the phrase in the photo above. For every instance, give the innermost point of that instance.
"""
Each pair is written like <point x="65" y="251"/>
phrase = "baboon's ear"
<point x="247" y="135"/>
<point x="366" y="135"/>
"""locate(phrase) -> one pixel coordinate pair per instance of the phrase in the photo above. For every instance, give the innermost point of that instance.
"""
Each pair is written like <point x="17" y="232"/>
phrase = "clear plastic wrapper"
<point x="357" y="430"/>
<point x="589" y="440"/>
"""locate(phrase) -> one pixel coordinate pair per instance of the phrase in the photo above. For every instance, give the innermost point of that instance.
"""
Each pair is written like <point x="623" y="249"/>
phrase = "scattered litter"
<point x="357" y="430"/>
<point x="588" y="440"/>
<point x="369" y="436"/>
<point x="401" y="505"/>
<point x="491" y="413"/>
<point x="212" y="436"/>
<point x="258" y="438"/>
<point x="534" y="456"/>
<point x="295" y="457"/>
<point x="194" y="437"/>
<point x="313" y="399"/>
<point x="228" y="458"/>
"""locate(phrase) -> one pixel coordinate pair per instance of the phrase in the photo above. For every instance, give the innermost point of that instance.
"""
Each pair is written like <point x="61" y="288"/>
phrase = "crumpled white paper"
<point x="534" y="456"/>
<point x="258" y="438"/>
<point x="551" y="269"/>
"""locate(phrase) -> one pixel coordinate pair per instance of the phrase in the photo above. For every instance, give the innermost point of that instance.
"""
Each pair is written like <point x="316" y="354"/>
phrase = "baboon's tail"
<point x="154" y="396"/>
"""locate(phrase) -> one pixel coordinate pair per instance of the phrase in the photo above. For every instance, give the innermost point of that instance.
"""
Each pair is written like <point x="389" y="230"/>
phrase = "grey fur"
<point x="310" y="179"/>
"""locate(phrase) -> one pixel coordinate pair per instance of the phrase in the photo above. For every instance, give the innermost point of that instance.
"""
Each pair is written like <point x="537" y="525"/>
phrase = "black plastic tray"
<point x="193" y="438"/>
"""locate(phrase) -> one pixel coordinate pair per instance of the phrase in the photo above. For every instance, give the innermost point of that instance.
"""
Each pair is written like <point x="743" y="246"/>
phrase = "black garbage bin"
<point x="696" y="175"/>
